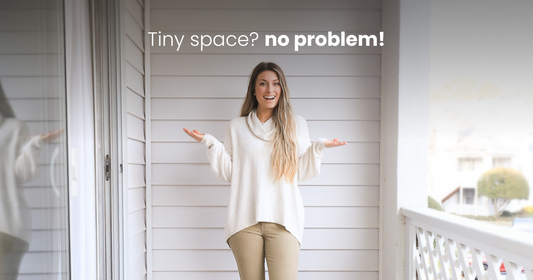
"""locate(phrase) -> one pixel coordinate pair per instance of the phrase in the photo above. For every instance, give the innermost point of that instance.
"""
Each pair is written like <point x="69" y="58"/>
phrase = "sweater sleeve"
<point x="310" y="160"/>
<point x="26" y="162"/>
<point x="219" y="155"/>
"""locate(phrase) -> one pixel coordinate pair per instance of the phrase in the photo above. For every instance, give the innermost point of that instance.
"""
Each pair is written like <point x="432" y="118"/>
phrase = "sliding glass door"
<point x="34" y="214"/>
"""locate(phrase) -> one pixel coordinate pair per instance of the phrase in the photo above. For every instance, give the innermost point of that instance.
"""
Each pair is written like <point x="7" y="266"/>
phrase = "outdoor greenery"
<point x="501" y="185"/>
<point x="433" y="204"/>
<point x="500" y="221"/>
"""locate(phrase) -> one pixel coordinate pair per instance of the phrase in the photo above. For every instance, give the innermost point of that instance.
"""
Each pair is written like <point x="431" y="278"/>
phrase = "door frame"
<point x="111" y="204"/>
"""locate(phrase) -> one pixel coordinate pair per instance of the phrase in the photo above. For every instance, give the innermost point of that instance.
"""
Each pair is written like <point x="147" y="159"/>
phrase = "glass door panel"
<point x="33" y="145"/>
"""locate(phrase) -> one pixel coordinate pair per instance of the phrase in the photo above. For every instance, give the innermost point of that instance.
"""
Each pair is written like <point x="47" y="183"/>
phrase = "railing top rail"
<point x="500" y="237"/>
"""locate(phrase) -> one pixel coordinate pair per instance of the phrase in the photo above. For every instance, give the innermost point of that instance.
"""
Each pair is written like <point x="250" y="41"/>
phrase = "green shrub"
<point x="433" y="204"/>
<point x="506" y="213"/>
<point x="501" y="185"/>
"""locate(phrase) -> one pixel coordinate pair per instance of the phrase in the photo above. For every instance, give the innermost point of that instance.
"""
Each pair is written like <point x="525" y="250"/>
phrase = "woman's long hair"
<point x="284" y="159"/>
<point x="5" y="108"/>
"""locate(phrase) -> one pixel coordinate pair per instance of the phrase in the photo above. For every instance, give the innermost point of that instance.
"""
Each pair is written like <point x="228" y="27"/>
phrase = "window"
<point x="501" y="162"/>
<point x="468" y="196"/>
<point x="470" y="164"/>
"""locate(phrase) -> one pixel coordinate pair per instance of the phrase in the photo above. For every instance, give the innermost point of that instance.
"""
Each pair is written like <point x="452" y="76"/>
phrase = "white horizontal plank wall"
<point x="32" y="77"/>
<point x="337" y="89"/>
<point x="136" y="138"/>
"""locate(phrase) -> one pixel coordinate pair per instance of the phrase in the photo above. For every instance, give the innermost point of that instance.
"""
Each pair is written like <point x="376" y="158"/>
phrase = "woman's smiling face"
<point x="267" y="90"/>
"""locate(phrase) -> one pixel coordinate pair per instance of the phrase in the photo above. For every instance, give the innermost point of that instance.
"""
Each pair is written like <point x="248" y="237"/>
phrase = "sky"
<point x="482" y="68"/>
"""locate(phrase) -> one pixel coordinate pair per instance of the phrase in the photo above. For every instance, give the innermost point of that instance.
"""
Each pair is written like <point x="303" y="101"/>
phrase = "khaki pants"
<point x="270" y="241"/>
<point x="12" y="250"/>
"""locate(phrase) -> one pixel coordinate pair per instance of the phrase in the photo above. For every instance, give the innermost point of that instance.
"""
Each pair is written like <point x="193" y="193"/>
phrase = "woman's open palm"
<point x="51" y="136"/>
<point x="333" y="143"/>
<point x="197" y="135"/>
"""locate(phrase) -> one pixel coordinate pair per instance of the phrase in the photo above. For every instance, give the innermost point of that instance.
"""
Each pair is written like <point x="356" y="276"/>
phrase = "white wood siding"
<point x="32" y="79"/>
<point x="136" y="138"/>
<point x="336" y="89"/>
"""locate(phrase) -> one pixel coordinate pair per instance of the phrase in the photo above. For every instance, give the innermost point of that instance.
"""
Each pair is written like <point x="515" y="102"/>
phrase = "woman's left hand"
<point x="333" y="143"/>
<point x="49" y="137"/>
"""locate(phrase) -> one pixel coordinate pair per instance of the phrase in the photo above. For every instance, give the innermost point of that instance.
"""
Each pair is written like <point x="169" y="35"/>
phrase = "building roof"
<point x="450" y="194"/>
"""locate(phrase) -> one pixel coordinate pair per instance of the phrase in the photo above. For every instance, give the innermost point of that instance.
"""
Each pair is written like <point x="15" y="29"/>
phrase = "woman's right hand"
<point x="197" y="135"/>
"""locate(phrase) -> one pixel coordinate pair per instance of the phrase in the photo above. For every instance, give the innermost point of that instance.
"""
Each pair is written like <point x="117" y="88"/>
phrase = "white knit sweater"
<point x="244" y="161"/>
<point x="18" y="164"/>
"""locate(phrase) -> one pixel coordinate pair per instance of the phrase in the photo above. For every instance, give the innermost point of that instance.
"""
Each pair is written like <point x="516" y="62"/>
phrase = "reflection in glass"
<point x="481" y="101"/>
<point x="33" y="179"/>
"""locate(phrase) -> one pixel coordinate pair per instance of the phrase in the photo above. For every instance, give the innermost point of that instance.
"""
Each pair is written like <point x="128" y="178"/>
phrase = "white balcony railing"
<point x="443" y="246"/>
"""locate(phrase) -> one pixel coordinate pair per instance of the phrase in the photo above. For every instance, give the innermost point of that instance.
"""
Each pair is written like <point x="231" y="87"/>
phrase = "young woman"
<point x="265" y="154"/>
<point x="19" y="154"/>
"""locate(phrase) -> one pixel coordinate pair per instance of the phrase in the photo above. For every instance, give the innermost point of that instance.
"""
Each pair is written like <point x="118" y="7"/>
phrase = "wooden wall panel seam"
<point x="133" y="90"/>
<point x="229" y="249"/>
<point x="311" y="5"/>
<point x="242" y="98"/>
<point x="136" y="139"/>
<point x="307" y="119"/>
<point x="139" y="255"/>
<point x="133" y="115"/>
<point x="137" y="235"/>
<point x="138" y="23"/>
<point x="227" y="120"/>
<point x="137" y="187"/>
<point x="138" y="70"/>
<point x="134" y="212"/>
<point x="178" y="141"/>
<point x="245" y="76"/>
<point x="136" y="93"/>
<point x="268" y="9"/>
<point x="135" y="43"/>
<point x="207" y="163"/>
<point x="222" y="227"/>
<point x="300" y="185"/>
<point x="137" y="163"/>
<point x="224" y="206"/>
<point x="292" y="54"/>
<point x="141" y="141"/>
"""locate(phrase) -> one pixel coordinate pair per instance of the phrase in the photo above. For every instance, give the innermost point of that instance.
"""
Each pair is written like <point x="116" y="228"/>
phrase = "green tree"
<point x="433" y="204"/>
<point x="501" y="185"/>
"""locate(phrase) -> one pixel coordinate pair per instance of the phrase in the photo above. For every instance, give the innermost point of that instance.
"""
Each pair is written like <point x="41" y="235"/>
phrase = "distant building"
<point x="456" y="170"/>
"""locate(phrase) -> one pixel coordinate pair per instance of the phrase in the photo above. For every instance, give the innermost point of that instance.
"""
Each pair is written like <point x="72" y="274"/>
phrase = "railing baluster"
<point x="467" y="271"/>
<point x="411" y="250"/>
<point x="422" y="248"/>
<point x="444" y="261"/>
<point x="429" y="246"/>
<point x="512" y="270"/>
<point x="454" y="263"/>
<point x="494" y="264"/>
<point x="477" y="263"/>
<point x="529" y="273"/>
<point x="419" y="267"/>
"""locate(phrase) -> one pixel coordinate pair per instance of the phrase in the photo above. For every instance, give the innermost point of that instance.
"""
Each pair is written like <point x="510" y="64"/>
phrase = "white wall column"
<point x="405" y="125"/>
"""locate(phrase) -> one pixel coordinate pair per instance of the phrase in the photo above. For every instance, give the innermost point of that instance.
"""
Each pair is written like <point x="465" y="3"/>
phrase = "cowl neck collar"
<point x="263" y="131"/>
